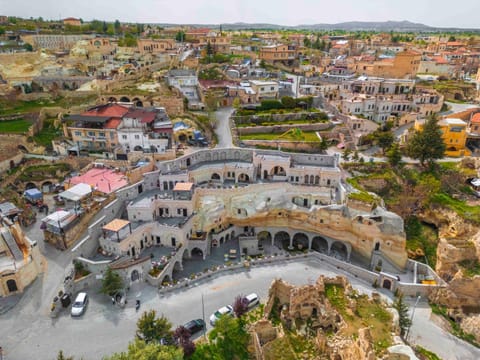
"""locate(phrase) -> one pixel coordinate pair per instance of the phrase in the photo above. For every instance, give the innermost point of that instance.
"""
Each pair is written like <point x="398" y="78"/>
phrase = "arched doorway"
<point x="265" y="174"/>
<point x="137" y="102"/>
<point x="124" y="99"/>
<point x="387" y="284"/>
<point x="215" y="176"/>
<point x="138" y="148"/>
<point x="282" y="240"/>
<point x="47" y="186"/>
<point x="166" y="280"/>
<point x="279" y="171"/>
<point x="197" y="253"/>
<point x="12" y="285"/>
<point x="135" y="275"/>
<point x="30" y="185"/>
<point x="300" y="241"/>
<point x="185" y="255"/>
<point x="339" y="250"/>
<point x="264" y="238"/>
<point x="320" y="244"/>
<point x="243" y="178"/>
<point x="111" y="99"/>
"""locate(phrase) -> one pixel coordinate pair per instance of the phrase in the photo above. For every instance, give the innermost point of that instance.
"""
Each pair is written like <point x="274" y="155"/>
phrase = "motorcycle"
<point x="137" y="305"/>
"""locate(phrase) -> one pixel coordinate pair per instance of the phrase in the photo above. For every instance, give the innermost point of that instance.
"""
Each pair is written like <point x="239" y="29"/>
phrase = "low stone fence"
<point x="374" y="278"/>
<point x="297" y="146"/>
<point x="282" y="128"/>
<point x="276" y="117"/>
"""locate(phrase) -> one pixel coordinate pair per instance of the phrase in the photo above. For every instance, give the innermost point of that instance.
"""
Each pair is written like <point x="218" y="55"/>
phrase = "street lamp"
<point x="411" y="317"/>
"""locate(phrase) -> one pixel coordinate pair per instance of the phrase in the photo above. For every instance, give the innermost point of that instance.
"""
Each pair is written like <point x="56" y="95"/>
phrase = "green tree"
<point x="150" y="328"/>
<point x="111" y="283"/>
<point x="288" y="102"/>
<point x="355" y="157"/>
<point x="2" y="30"/>
<point x="230" y="338"/>
<point x="426" y="145"/>
<point x="206" y="351"/>
<point x="117" y="26"/>
<point x="384" y="139"/>
<point x="346" y="154"/>
<point x="104" y="27"/>
<point x="139" y="350"/>
<point x="180" y="36"/>
<point x="394" y="155"/>
<point x="263" y="64"/>
<point x="28" y="47"/>
<point x="306" y="42"/>
<point x="403" y="318"/>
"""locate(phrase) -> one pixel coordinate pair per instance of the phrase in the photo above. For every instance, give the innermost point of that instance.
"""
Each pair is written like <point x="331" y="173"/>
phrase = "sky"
<point x="438" y="13"/>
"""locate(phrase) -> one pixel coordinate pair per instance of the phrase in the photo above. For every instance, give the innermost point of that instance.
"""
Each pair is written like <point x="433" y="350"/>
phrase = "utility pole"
<point x="203" y="318"/>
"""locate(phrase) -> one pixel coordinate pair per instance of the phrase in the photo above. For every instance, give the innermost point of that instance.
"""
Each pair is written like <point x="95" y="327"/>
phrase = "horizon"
<point x="436" y="14"/>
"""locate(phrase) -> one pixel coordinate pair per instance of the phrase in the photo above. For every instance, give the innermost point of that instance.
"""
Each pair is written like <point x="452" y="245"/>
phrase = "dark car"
<point x="195" y="326"/>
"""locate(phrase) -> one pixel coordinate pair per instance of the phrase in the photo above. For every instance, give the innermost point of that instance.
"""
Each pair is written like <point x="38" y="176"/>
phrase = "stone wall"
<point x="279" y="129"/>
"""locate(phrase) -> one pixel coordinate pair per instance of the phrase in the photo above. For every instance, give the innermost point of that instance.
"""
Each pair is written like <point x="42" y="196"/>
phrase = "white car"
<point x="80" y="304"/>
<point x="226" y="310"/>
<point x="253" y="300"/>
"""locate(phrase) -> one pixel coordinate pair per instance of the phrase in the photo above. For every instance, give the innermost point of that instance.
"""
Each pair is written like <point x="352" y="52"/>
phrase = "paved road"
<point x="454" y="107"/>
<point x="27" y="332"/>
<point x="222" y="129"/>
<point x="432" y="337"/>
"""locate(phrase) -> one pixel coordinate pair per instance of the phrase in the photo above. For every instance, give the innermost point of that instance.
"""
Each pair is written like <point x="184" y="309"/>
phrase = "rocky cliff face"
<point x="459" y="241"/>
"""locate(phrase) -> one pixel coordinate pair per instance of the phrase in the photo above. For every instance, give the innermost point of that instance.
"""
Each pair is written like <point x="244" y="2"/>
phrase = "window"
<point x="102" y="134"/>
<point x="78" y="133"/>
<point x="124" y="137"/>
<point x="272" y="88"/>
<point x="91" y="133"/>
<point x="137" y="137"/>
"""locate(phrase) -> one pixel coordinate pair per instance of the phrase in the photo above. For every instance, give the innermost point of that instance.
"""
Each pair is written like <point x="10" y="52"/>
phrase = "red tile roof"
<point x="145" y="116"/>
<point x="112" y="123"/>
<point x="476" y="118"/>
<point x="113" y="110"/>
<point x="104" y="180"/>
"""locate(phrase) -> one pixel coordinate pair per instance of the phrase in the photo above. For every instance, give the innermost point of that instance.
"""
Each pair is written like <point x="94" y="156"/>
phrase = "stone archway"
<point x="320" y="244"/>
<point x="278" y="170"/>
<point x="166" y="279"/>
<point x="112" y="99"/>
<point x="135" y="275"/>
<point x="12" y="285"/>
<point x="243" y="178"/>
<point x="339" y="251"/>
<point x="387" y="284"/>
<point x="30" y="185"/>
<point x="197" y="253"/>
<point x="177" y="267"/>
<point x="138" y="148"/>
<point x="47" y="186"/>
<point x="282" y="240"/>
<point x="124" y="99"/>
<point x="22" y="148"/>
<point x="264" y="238"/>
<point x="300" y="241"/>
<point x="215" y="176"/>
<point x="185" y="255"/>
<point x="137" y="102"/>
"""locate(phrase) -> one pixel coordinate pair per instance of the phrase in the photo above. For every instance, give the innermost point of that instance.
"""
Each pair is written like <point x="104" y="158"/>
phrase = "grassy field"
<point x="309" y="136"/>
<point x="279" y="123"/>
<point x="18" y="126"/>
<point x="47" y="134"/>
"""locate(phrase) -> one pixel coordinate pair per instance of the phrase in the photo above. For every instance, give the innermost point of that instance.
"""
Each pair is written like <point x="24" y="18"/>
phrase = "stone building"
<point x="20" y="259"/>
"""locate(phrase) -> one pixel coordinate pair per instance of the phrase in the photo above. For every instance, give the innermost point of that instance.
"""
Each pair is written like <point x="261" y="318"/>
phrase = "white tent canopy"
<point x="77" y="192"/>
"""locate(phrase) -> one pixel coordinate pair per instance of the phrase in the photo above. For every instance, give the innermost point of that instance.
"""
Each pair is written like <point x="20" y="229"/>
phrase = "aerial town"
<point x="238" y="190"/>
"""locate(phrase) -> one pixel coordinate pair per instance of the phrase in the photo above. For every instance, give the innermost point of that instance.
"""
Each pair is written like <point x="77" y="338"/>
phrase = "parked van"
<point x="80" y="304"/>
<point x="252" y="300"/>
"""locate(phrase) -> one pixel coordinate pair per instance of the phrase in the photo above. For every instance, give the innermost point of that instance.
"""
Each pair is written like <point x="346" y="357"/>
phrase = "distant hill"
<point x="401" y="26"/>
